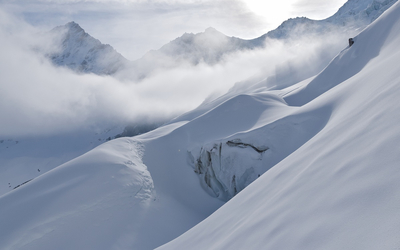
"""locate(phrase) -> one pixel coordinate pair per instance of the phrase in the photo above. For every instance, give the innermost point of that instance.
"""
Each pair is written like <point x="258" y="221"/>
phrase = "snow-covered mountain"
<point x="310" y="166"/>
<point x="208" y="47"/>
<point x="82" y="53"/>
<point x="329" y="143"/>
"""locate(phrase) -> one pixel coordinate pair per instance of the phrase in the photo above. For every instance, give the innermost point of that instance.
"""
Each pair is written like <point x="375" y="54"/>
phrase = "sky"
<point x="134" y="27"/>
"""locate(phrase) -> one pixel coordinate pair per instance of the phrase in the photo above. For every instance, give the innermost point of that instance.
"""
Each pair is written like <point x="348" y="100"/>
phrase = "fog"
<point x="39" y="98"/>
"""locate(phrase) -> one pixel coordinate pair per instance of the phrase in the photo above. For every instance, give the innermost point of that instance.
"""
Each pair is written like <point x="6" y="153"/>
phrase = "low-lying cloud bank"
<point x="38" y="98"/>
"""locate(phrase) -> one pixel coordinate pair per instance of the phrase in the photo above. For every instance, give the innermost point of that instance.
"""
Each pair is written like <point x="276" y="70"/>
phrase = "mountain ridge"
<point x="210" y="47"/>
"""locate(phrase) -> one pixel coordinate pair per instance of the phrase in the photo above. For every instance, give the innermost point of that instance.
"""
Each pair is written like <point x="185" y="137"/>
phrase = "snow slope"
<point x="340" y="189"/>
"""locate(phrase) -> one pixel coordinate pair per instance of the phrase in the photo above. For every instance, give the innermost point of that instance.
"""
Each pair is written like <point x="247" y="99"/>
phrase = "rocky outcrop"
<point x="228" y="167"/>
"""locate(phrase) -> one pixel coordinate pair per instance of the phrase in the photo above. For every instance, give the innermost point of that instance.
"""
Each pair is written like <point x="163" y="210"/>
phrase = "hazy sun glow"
<point x="274" y="12"/>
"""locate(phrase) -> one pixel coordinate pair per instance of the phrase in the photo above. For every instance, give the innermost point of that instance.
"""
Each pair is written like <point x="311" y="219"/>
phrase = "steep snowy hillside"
<point x="82" y="53"/>
<point x="340" y="189"/>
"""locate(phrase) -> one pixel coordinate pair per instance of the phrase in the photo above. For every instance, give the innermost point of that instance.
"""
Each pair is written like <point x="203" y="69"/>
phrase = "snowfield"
<point x="311" y="166"/>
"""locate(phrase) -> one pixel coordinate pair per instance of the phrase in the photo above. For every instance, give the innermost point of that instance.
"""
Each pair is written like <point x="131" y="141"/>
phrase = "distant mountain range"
<point x="84" y="54"/>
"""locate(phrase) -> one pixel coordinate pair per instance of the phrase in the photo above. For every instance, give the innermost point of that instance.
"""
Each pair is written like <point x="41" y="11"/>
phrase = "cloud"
<point x="38" y="98"/>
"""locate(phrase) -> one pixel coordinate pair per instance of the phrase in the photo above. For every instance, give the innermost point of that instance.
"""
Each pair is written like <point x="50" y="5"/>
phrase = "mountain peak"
<point x="69" y="27"/>
<point x="72" y="23"/>
<point x="210" y="29"/>
<point x="83" y="53"/>
<point x="73" y="26"/>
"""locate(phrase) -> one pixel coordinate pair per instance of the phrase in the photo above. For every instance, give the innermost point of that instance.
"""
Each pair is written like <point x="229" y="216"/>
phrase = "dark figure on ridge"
<point x="351" y="41"/>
